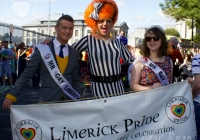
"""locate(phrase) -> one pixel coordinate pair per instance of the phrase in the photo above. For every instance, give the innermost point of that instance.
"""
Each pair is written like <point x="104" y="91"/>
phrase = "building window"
<point x="28" y="41"/>
<point x="27" y="33"/>
<point x="34" y="33"/>
<point x="75" y="40"/>
<point x="42" y="31"/>
<point x="51" y="32"/>
<point x="89" y="32"/>
<point x="76" y="32"/>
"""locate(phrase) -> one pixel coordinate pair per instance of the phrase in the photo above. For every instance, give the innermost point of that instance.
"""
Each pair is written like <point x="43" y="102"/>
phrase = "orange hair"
<point x="108" y="10"/>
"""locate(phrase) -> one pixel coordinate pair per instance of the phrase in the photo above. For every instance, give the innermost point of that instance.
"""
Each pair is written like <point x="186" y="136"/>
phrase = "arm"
<point x="125" y="54"/>
<point x="81" y="45"/>
<point x="21" y="83"/>
<point x="196" y="85"/>
<point x="135" y="77"/>
<point x="184" y="63"/>
<point x="75" y="75"/>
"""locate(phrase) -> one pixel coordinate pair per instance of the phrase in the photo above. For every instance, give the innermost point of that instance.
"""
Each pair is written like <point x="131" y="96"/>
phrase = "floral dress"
<point x="148" y="77"/>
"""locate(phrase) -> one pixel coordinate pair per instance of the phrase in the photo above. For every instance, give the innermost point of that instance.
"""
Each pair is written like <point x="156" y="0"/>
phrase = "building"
<point x="80" y="29"/>
<point x="135" y="38"/>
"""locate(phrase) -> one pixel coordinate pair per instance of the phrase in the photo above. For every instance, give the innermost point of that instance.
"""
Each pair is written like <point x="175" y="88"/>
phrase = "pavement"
<point x="29" y="95"/>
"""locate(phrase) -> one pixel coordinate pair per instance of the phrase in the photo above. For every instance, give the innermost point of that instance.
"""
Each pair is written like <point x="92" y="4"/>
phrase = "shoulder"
<point x="73" y="50"/>
<point x="196" y="64"/>
<point x="138" y="60"/>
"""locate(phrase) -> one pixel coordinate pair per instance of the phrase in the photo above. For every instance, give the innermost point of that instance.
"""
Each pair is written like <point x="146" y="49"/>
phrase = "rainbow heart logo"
<point x="178" y="110"/>
<point x="28" y="134"/>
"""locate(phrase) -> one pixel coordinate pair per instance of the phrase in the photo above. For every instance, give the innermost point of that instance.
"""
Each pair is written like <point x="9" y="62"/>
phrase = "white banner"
<point x="166" y="113"/>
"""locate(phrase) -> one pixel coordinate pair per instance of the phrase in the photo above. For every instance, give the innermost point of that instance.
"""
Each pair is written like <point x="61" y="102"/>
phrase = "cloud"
<point x="120" y="2"/>
<point x="160" y="13"/>
<point x="139" y="18"/>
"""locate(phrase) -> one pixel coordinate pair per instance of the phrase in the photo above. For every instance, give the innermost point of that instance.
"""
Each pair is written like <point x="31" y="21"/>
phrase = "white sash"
<point x="51" y="65"/>
<point x="160" y="73"/>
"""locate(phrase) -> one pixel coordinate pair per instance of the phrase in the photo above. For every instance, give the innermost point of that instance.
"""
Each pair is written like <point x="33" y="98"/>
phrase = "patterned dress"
<point x="104" y="61"/>
<point x="148" y="77"/>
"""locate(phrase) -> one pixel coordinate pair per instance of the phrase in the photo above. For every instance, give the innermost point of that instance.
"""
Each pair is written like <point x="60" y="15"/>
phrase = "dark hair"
<point x="144" y="50"/>
<point x="64" y="17"/>
<point x="21" y="45"/>
<point x="5" y="41"/>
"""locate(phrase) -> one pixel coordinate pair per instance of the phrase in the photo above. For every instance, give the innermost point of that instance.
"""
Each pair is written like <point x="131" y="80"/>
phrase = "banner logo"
<point x="178" y="109"/>
<point x="28" y="130"/>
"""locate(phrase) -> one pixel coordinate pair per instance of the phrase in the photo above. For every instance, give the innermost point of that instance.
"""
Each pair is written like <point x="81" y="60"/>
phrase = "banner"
<point x="165" y="113"/>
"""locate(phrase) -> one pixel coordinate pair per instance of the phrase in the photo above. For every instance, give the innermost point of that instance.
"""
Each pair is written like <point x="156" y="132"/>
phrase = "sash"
<point x="51" y="65"/>
<point x="159" y="73"/>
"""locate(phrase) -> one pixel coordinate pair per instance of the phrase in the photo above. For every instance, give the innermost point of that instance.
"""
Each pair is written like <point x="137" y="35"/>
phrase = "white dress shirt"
<point x="57" y="48"/>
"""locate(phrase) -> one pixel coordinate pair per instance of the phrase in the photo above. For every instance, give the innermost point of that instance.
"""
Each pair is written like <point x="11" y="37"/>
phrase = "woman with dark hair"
<point x="21" y="59"/>
<point x="187" y="66"/>
<point x="153" y="68"/>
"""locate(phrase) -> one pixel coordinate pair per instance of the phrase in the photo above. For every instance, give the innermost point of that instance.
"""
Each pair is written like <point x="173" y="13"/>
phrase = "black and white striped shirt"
<point x="104" y="61"/>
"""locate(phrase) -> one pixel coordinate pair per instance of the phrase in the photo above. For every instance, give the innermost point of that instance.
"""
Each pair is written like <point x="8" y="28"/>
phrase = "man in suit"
<point x="68" y="65"/>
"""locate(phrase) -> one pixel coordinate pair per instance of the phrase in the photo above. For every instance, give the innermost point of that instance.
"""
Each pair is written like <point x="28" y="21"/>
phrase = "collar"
<point x="57" y="43"/>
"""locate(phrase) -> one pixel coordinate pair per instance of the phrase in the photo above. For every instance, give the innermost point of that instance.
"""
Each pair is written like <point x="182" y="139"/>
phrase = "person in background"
<point x="5" y="69"/>
<point x="50" y="90"/>
<point x="21" y="64"/>
<point x="13" y="65"/>
<point x="186" y="66"/>
<point x="104" y="51"/>
<point x="123" y="38"/>
<point x="177" y="59"/>
<point x="1" y="44"/>
<point x="154" y="60"/>
<point x="196" y="91"/>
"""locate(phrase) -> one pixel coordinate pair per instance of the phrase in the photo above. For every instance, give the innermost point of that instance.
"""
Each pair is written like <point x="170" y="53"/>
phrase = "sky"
<point x="136" y="13"/>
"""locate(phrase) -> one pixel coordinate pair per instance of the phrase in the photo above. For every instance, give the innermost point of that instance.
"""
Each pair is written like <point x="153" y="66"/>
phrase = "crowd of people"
<point x="58" y="63"/>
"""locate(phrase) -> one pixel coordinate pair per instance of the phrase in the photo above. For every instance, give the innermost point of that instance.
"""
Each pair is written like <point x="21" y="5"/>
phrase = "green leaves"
<point x="172" y="32"/>
<point x="182" y="10"/>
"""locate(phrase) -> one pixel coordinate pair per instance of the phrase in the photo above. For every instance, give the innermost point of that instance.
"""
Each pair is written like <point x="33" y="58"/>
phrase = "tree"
<point x="197" y="38"/>
<point x="185" y="10"/>
<point x="6" y="35"/>
<point x="172" y="32"/>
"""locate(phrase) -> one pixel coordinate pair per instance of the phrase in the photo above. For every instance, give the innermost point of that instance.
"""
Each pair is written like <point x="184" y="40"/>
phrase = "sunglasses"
<point x="149" y="38"/>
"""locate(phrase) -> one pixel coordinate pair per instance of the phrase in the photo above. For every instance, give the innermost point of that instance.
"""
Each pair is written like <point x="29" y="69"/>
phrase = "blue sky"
<point x="136" y="13"/>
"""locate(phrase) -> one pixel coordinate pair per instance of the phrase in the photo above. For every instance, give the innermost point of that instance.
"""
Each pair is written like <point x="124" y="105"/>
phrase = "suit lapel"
<point x="51" y="46"/>
<point x="70" y="58"/>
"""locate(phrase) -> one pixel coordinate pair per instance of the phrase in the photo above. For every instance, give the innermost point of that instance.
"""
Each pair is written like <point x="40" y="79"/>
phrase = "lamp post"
<point x="192" y="32"/>
<point x="49" y="17"/>
<point x="11" y="28"/>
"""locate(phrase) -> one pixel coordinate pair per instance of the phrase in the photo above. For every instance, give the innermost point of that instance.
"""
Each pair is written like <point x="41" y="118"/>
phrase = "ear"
<point x="56" y="28"/>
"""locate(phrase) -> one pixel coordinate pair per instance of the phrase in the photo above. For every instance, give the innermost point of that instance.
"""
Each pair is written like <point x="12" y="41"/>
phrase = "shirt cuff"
<point x="11" y="97"/>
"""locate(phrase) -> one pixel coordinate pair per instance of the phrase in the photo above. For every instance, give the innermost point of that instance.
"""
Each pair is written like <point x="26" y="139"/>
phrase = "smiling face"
<point x="154" y="42"/>
<point x="104" y="27"/>
<point x="64" y="31"/>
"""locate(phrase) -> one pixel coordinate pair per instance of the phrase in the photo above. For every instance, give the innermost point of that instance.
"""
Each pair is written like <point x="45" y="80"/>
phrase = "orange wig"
<point x="108" y="10"/>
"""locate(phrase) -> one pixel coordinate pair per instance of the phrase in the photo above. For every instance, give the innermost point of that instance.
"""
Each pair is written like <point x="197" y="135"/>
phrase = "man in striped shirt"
<point x="196" y="91"/>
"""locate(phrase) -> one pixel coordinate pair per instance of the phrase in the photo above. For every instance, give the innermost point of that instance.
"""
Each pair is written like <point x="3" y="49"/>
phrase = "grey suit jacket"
<point x="49" y="91"/>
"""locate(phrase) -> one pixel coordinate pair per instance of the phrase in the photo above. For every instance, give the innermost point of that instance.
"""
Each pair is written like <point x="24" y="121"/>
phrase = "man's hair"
<point x="5" y="41"/>
<point x="64" y="17"/>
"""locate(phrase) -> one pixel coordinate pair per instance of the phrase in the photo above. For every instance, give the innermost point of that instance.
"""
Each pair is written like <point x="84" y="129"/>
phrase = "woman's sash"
<point x="51" y="65"/>
<point x="157" y="70"/>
